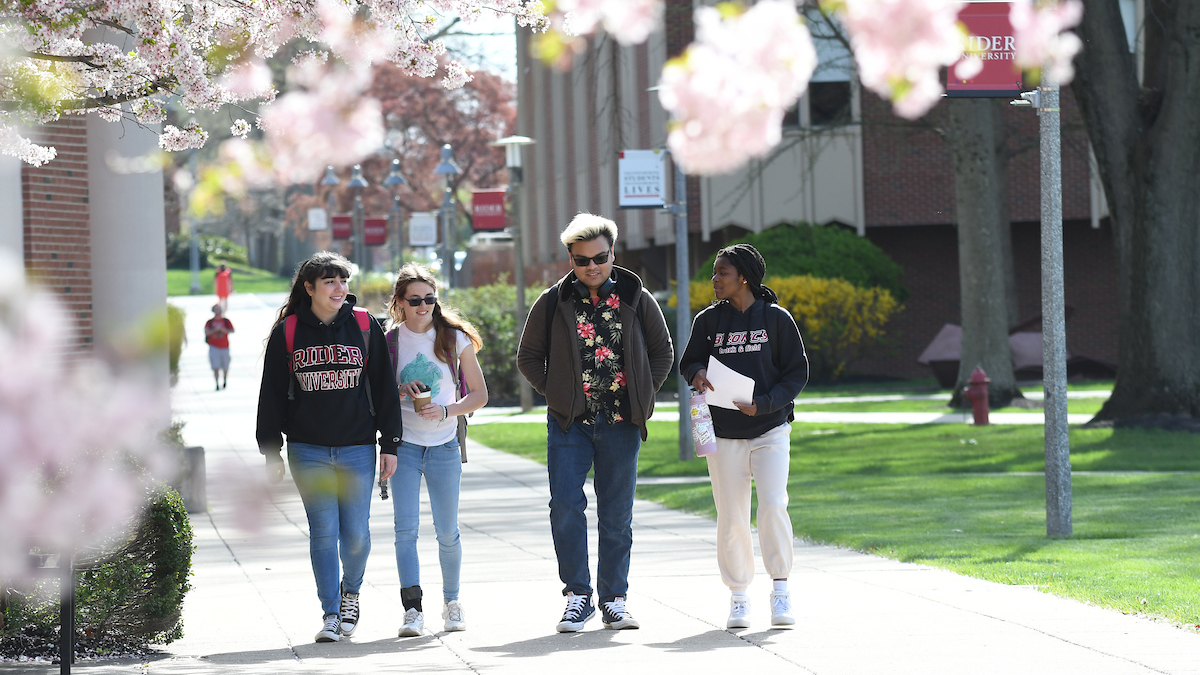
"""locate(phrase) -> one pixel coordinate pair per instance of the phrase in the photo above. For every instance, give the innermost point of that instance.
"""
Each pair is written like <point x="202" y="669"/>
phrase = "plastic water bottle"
<point x="703" y="435"/>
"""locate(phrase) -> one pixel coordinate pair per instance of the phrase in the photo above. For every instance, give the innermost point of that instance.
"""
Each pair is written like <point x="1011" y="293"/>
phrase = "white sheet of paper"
<point x="728" y="386"/>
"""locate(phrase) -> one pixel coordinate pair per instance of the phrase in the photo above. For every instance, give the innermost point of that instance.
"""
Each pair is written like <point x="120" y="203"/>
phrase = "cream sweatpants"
<point x="736" y="461"/>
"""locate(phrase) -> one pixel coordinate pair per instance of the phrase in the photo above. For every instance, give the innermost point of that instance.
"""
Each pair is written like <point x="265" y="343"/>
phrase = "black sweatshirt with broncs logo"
<point x="762" y="343"/>
<point x="328" y="404"/>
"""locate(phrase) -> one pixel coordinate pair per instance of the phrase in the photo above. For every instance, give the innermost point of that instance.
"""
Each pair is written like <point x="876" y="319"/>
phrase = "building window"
<point x="828" y="103"/>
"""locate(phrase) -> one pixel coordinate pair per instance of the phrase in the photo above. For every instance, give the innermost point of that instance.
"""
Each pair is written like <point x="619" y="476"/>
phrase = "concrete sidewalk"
<point x="254" y="609"/>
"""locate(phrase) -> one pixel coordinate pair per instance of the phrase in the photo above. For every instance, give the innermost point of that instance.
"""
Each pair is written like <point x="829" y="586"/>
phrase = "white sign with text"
<point x="422" y="229"/>
<point x="642" y="179"/>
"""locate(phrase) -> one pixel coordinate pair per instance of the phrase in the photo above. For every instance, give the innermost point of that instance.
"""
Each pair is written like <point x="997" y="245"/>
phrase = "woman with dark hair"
<point x="750" y="333"/>
<point x="327" y="385"/>
<point x="434" y="359"/>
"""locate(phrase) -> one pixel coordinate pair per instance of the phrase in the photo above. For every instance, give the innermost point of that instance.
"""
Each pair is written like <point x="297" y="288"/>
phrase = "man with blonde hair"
<point x="604" y="337"/>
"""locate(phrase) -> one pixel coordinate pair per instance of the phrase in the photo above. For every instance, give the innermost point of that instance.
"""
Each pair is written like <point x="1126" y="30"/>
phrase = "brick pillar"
<point x="57" y="224"/>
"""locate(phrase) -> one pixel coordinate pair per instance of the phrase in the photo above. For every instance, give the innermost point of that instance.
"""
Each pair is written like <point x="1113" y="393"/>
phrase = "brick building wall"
<point x="908" y="184"/>
<point x="57" y="224"/>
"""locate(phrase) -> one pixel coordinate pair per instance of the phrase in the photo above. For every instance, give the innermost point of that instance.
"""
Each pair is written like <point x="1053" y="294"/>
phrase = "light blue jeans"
<point x="335" y="484"/>
<point x="612" y="450"/>
<point x="442" y="467"/>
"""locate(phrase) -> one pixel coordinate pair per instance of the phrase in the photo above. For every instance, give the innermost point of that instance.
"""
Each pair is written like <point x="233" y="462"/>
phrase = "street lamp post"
<point x="357" y="183"/>
<point x="683" y="305"/>
<point x="1054" y="336"/>
<point x="512" y="159"/>
<point x="331" y="181"/>
<point x="448" y="169"/>
<point x="393" y="183"/>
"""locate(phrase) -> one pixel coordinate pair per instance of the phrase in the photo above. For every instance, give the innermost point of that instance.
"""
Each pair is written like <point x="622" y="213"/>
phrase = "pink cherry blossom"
<point x="728" y="92"/>
<point x="78" y="443"/>
<point x="901" y="45"/>
<point x="1040" y="38"/>
<point x="629" y="21"/>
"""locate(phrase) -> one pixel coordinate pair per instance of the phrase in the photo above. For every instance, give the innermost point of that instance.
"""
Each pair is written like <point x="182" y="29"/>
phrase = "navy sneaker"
<point x="579" y="610"/>
<point x="615" y="616"/>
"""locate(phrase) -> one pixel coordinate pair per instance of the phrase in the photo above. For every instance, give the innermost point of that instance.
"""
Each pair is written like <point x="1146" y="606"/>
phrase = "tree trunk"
<point x="981" y="266"/>
<point x="1000" y="129"/>
<point x="1147" y="146"/>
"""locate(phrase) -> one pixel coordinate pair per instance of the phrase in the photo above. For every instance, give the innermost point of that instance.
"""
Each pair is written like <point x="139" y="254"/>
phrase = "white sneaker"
<point x="414" y="623"/>
<point x="329" y="632"/>
<point x="739" y="612"/>
<point x="781" y="609"/>
<point x="454" y="616"/>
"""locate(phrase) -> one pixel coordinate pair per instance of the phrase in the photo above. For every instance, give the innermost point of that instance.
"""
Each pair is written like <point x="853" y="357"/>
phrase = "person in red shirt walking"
<point x="216" y="334"/>
<point x="223" y="286"/>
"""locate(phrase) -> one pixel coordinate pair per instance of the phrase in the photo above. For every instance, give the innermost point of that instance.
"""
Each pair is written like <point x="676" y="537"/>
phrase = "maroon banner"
<point x="375" y="231"/>
<point x="487" y="210"/>
<point x="991" y="40"/>
<point x="342" y="227"/>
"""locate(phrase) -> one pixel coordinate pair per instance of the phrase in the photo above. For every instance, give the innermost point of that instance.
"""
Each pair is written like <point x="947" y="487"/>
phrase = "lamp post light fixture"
<point x="393" y="182"/>
<point x="512" y="159"/>
<point x="357" y="183"/>
<point x="449" y="169"/>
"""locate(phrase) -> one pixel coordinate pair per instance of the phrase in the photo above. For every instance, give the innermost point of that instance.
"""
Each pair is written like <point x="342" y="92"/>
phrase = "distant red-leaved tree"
<point x="420" y="117"/>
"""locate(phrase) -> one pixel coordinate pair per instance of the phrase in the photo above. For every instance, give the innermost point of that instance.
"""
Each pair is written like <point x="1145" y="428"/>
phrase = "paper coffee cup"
<point x="421" y="401"/>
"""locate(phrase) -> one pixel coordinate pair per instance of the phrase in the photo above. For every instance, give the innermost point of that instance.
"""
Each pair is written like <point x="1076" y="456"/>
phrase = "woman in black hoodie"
<point x="328" y="386"/>
<point x="750" y="333"/>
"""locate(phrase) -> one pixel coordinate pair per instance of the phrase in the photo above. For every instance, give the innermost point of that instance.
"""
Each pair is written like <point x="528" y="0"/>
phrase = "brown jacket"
<point x="648" y="353"/>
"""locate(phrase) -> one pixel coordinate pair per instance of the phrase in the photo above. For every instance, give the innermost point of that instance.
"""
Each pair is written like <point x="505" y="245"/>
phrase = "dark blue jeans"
<point x="612" y="449"/>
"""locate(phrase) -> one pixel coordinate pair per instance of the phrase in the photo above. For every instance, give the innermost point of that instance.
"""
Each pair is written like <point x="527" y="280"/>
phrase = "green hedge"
<point x="492" y="310"/>
<point x="179" y="251"/>
<point x="175" y="318"/>
<point x="822" y="251"/>
<point x="127" y="598"/>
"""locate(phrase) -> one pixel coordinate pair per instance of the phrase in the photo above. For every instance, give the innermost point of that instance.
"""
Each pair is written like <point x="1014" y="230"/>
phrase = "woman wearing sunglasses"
<point x="434" y="351"/>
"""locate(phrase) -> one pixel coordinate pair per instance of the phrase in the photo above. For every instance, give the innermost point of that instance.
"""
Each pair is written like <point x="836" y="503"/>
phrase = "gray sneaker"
<point x="414" y="623"/>
<point x="329" y="632"/>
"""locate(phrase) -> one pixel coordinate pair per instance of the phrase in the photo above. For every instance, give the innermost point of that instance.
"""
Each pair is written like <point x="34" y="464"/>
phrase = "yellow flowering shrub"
<point x="837" y="320"/>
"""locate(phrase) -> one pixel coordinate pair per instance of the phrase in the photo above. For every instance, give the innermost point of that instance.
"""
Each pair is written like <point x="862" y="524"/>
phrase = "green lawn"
<point x="972" y="500"/>
<point x="1089" y="406"/>
<point x="245" y="280"/>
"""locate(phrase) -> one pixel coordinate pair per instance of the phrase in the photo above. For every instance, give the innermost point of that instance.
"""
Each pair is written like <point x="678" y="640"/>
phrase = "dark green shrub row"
<point x="822" y="251"/>
<point x="127" y="598"/>
<point x="179" y="247"/>
<point x="492" y="310"/>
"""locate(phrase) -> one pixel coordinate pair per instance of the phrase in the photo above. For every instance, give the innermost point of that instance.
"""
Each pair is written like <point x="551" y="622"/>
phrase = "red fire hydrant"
<point x="976" y="392"/>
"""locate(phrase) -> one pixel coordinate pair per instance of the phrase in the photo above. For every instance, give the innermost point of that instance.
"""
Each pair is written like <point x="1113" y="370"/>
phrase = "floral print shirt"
<point x="598" y="328"/>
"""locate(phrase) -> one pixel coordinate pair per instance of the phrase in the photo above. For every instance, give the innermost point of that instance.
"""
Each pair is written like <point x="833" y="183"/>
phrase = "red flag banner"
<point x="992" y="40"/>
<point x="487" y="210"/>
<point x="375" y="231"/>
<point x="342" y="227"/>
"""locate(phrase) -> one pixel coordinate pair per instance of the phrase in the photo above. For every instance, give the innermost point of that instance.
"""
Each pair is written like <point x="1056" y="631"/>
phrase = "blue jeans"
<point x="613" y="450"/>
<point x="442" y="467"/>
<point x="335" y="484"/>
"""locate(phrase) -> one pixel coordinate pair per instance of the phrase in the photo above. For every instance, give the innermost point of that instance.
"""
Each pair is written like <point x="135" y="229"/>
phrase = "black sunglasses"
<point x="416" y="302"/>
<point x="599" y="259"/>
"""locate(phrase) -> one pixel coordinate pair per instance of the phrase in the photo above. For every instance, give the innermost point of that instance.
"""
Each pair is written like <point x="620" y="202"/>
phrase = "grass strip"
<point x="245" y="280"/>
<point x="972" y="500"/>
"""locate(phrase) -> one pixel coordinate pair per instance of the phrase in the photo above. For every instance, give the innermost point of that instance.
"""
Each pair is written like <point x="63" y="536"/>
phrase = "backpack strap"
<point x="393" y="343"/>
<point x="289" y="336"/>
<point x="364" y="324"/>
